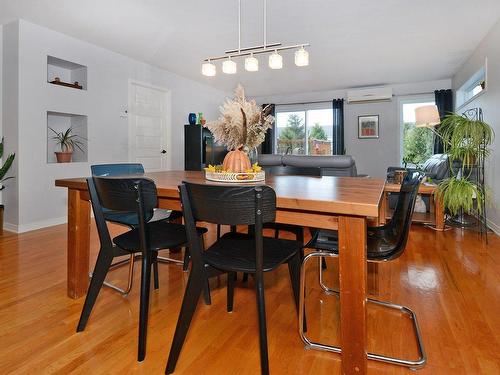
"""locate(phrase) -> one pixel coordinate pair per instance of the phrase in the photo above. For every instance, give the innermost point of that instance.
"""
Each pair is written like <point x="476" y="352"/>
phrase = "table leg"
<point x="439" y="213"/>
<point x="353" y="285"/>
<point x="78" y="244"/>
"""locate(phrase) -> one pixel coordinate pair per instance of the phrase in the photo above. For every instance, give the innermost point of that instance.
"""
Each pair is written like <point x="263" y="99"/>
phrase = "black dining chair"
<point x="130" y="220"/>
<point x="233" y="252"/>
<point x="137" y="196"/>
<point x="297" y="231"/>
<point x="384" y="243"/>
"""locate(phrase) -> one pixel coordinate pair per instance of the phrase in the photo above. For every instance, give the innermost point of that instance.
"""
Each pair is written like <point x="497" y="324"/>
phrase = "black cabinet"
<point x="200" y="148"/>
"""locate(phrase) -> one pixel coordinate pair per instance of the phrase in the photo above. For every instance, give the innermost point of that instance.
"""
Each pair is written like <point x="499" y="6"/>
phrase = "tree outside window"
<point x="304" y="132"/>
<point x="417" y="143"/>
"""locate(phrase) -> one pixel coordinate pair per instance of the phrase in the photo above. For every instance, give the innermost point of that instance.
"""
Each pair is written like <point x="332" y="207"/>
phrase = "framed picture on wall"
<point x="368" y="127"/>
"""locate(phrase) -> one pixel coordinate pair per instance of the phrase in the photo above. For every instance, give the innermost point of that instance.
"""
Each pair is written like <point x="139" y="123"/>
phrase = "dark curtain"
<point x="444" y="103"/>
<point x="338" y="126"/>
<point x="267" y="146"/>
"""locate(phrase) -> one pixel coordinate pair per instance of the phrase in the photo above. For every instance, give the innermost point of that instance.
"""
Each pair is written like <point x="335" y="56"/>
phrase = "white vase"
<point x="420" y="205"/>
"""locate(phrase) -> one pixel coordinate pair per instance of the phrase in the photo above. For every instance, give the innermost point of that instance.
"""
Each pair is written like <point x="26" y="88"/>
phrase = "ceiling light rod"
<point x="269" y="46"/>
<point x="257" y="52"/>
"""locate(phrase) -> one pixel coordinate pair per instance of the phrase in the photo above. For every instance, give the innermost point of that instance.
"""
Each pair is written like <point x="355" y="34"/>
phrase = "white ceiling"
<point x="353" y="42"/>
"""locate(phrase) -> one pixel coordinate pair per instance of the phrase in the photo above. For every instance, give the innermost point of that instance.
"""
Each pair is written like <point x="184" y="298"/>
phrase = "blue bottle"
<point x="192" y="119"/>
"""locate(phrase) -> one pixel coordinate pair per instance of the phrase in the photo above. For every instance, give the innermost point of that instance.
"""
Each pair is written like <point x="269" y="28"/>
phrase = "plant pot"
<point x="64" y="156"/>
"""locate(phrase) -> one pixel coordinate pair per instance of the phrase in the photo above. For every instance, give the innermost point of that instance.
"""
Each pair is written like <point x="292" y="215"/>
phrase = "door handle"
<point x="163" y="151"/>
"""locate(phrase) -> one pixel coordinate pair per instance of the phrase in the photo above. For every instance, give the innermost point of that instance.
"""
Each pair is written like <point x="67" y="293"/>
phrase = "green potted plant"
<point x="466" y="142"/>
<point x="67" y="141"/>
<point x="3" y="171"/>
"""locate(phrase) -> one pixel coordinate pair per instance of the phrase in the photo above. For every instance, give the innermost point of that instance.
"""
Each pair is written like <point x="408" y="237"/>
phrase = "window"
<point x="417" y="144"/>
<point x="304" y="130"/>
<point x="474" y="86"/>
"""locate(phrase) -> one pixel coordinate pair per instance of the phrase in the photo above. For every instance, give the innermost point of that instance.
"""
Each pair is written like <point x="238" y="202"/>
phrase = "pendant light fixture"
<point x="275" y="60"/>
<point x="251" y="62"/>
<point x="208" y="69"/>
<point x="301" y="57"/>
<point x="229" y="66"/>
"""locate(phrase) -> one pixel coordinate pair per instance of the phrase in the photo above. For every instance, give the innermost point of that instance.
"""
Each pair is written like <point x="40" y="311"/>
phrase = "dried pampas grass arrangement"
<point x="242" y="123"/>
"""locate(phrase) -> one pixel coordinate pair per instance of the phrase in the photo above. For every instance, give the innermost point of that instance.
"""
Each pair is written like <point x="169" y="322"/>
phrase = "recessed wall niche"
<point x="66" y="73"/>
<point x="60" y="122"/>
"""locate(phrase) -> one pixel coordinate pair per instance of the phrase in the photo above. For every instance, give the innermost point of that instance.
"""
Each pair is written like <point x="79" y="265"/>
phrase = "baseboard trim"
<point x="494" y="227"/>
<point x="36" y="225"/>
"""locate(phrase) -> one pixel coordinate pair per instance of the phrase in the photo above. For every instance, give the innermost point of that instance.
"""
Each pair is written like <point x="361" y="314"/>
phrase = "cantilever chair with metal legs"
<point x="384" y="243"/>
<point x="133" y="195"/>
<point x="130" y="220"/>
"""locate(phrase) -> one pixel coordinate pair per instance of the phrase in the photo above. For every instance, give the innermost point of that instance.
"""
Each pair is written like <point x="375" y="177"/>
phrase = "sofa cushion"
<point x="437" y="166"/>
<point x="334" y="161"/>
<point x="270" y="160"/>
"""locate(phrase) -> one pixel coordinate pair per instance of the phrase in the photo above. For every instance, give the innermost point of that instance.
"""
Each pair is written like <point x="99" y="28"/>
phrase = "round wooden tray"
<point x="235" y="177"/>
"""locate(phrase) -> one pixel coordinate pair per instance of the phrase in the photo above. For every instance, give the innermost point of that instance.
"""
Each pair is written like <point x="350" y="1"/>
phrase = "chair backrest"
<point x="128" y="195"/>
<point x="229" y="205"/>
<point x="397" y="230"/>
<point x="121" y="169"/>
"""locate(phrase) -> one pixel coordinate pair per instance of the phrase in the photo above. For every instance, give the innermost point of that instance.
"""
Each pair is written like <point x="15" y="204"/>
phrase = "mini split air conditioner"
<point x="375" y="94"/>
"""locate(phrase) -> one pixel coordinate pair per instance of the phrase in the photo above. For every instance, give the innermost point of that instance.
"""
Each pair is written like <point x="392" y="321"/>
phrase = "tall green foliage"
<point x="5" y="167"/>
<point x="292" y="136"/>
<point x="466" y="142"/>
<point x="417" y="144"/>
<point x="317" y="132"/>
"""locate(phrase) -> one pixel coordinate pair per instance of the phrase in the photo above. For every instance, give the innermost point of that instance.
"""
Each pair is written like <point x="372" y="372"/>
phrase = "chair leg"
<point x="231" y="276"/>
<point x="276" y="233"/>
<point x="261" y="307"/>
<point x="294" y="270"/>
<point x="187" y="258"/>
<point x="189" y="302"/>
<point x="123" y="292"/>
<point x="245" y="277"/>
<point x="336" y="349"/>
<point x="155" y="270"/>
<point x="206" y="292"/>
<point x="144" y="307"/>
<point x="101" y="268"/>
<point x="218" y="231"/>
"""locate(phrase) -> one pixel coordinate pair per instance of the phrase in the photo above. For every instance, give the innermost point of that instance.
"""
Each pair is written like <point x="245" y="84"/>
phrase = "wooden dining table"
<point x="340" y="203"/>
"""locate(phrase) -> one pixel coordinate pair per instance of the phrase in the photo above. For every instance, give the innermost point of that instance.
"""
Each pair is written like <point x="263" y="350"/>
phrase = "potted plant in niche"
<point x="3" y="171"/>
<point x="466" y="142"/>
<point x="66" y="141"/>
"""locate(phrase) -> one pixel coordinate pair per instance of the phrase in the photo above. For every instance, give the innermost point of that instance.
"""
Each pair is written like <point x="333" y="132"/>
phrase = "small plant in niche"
<point x="67" y="142"/>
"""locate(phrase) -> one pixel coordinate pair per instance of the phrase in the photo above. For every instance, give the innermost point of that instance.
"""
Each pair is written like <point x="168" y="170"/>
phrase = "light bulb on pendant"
<point x="275" y="60"/>
<point x="208" y="69"/>
<point x="229" y="66"/>
<point x="301" y="57"/>
<point x="251" y="64"/>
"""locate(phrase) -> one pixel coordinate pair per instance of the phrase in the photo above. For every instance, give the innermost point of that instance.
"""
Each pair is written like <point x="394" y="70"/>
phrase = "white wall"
<point x="40" y="202"/>
<point x="372" y="156"/>
<point x="489" y="101"/>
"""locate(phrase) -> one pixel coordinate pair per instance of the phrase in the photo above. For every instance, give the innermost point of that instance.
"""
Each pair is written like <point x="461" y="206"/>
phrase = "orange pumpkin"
<point x="236" y="161"/>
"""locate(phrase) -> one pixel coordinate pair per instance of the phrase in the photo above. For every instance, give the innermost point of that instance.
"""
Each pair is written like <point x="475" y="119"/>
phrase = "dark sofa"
<point x="334" y="165"/>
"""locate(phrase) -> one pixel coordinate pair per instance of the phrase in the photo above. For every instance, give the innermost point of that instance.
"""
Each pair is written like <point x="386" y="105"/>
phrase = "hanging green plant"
<point x="466" y="142"/>
<point x="464" y="139"/>
<point x="459" y="194"/>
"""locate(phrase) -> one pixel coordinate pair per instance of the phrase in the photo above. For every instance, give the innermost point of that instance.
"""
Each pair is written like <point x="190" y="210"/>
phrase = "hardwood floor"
<point x="450" y="279"/>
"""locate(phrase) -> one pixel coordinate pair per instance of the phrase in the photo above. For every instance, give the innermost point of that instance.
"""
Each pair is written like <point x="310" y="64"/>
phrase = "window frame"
<point x="305" y="107"/>
<point x="413" y="99"/>
<point x="462" y="97"/>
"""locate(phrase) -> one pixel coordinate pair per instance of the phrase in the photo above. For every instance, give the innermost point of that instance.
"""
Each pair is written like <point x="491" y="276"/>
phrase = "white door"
<point x="148" y="126"/>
